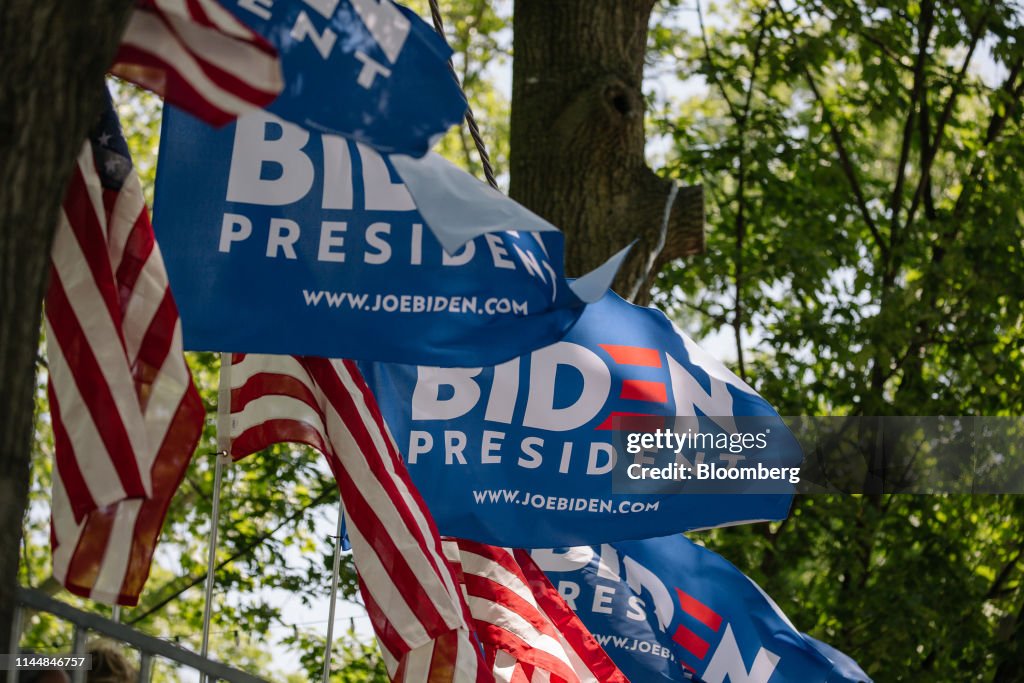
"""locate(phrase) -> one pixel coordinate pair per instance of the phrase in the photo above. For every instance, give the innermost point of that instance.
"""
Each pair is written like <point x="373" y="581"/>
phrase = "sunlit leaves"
<point x="923" y="317"/>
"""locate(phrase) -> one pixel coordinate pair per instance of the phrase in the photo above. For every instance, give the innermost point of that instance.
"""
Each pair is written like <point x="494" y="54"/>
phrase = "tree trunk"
<point x="578" y="139"/>
<point x="54" y="54"/>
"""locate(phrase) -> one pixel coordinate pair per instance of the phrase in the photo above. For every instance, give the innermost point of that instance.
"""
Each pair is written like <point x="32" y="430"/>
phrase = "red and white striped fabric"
<point x="199" y="57"/>
<point x="126" y="416"/>
<point x="528" y="632"/>
<point x="415" y="605"/>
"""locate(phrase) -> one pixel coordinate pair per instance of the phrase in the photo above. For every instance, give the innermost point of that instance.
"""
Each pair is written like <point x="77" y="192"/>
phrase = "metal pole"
<point x="334" y="595"/>
<point x="116" y="614"/>
<point x="145" y="667"/>
<point x="223" y="458"/>
<point x="12" y="673"/>
<point x="78" y="648"/>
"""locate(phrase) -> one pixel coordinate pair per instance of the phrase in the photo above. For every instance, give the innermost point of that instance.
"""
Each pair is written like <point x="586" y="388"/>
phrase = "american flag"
<point x="528" y="632"/>
<point x="126" y="416"/>
<point x="488" y="614"/>
<point x="410" y="591"/>
<point x="199" y="57"/>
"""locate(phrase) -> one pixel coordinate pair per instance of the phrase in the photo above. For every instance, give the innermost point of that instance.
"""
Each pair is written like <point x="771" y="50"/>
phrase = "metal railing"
<point x="148" y="646"/>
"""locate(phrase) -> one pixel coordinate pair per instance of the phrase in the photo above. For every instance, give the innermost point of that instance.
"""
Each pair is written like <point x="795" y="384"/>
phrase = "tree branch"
<point x="997" y="122"/>
<point x="847" y="165"/>
<point x="741" y="198"/>
<point x="718" y="318"/>
<point x="711" y="64"/>
<point x="925" y="138"/>
<point x="924" y="31"/>
<point x="997" y="583"/>
<point x="837" y="139"/>
<point x="240" y="553"/>
<point x="928" y="156"/>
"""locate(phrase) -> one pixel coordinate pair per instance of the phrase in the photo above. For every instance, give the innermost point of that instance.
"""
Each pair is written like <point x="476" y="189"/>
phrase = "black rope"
<point x="474" y="129"/>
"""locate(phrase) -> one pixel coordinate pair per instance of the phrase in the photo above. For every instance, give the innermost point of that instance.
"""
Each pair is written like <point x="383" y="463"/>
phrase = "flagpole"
<point x="223" y="458"/>
<point x="334" y="595"/>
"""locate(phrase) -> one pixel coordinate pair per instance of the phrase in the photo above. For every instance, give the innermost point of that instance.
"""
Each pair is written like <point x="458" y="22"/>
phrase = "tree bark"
<point x="577" y="139"/>
<point x="54" y="54"/>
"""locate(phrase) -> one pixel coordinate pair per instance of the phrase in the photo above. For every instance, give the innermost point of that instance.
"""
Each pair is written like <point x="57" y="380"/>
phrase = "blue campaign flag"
<point x="279" y="240"/>
<point x="846" y="670"/>
<point x="369" y="70"/>
<point x="667" y="610"/>
<point x="457" y="206"/>
<point x="346" y="545"/>
<point x="559" y="447"/>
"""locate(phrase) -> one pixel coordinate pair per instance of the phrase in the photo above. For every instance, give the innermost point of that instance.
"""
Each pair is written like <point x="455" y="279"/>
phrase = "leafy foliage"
<point x="862" y="165"/>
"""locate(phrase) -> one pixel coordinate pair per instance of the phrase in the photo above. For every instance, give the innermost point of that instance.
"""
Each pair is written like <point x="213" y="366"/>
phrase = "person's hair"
<point x="39" y="675"/>
<point x="109" y="665"/>
<point x="42" y="676"/>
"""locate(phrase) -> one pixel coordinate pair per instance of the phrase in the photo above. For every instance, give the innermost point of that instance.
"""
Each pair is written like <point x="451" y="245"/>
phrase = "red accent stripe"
<point x="691" y="642"/>
<point x="643" y="390"/>
<point x="93" y="389"/>
<point x="633" y="355"/>
<point x="699" y="611"/>
<point x="609" y="422"/>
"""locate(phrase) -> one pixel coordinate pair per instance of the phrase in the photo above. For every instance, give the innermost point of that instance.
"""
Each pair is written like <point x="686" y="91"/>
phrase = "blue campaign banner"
<point x="846" y="669"/>
<point x="369" y="70"/>
<point x="668" y="610"/>
<point x="279" y="240"/>
<point x="559" y="447"/>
